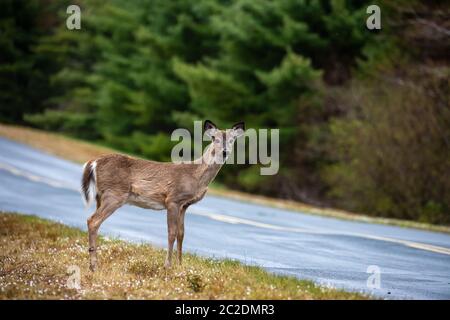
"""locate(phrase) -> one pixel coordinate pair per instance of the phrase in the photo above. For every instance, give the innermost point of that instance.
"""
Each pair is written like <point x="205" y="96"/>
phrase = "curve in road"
<point x="332" y="252"/>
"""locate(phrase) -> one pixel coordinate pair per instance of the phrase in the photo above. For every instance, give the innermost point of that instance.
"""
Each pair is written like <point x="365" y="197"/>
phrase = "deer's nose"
<point x="225" y="153"/>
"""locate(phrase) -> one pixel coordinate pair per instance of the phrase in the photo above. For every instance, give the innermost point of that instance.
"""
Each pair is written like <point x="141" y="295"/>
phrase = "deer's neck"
<point x="207" y="168"/>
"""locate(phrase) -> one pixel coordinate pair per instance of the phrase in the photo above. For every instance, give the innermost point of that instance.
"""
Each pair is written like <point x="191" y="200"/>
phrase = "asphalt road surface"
<point x="413" y="264"/>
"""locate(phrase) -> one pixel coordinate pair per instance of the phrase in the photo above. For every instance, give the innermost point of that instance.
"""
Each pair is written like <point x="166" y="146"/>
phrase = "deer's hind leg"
<point x="106" y="205"/>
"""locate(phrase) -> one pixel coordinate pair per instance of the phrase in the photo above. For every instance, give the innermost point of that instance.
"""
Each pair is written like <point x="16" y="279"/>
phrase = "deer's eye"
<point x="216" y="140"/>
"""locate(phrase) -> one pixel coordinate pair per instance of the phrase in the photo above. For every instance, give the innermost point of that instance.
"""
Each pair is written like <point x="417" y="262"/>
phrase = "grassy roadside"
<point x="35" y="255"/>
<point x="80" y="151"/>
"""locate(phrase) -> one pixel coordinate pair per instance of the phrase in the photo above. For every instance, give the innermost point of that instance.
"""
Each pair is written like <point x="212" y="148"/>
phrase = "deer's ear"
<point x="239" y="129"/>
<point x="209" y="128"/>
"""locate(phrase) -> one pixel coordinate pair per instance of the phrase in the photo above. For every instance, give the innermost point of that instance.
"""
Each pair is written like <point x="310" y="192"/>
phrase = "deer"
<point x="117" y="179"/>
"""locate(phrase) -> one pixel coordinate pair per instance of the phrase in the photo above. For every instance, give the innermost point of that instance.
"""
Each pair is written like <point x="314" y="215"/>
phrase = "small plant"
<point x="195" y="282"/>
<point x="143" y="269"/>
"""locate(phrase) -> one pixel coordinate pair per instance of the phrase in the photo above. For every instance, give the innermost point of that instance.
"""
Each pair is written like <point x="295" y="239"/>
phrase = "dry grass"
<point x="35" y="255"/>
<point x="80" y="151"/>
<point x="61" y="146"/>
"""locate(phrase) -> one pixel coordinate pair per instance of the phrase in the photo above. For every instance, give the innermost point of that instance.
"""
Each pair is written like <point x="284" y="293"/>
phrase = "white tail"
<point x="88" y="183"/>
<point x="114" y="180"/>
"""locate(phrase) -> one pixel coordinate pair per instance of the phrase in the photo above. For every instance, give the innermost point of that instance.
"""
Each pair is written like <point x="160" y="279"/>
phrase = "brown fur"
<point x="121" y="179"/>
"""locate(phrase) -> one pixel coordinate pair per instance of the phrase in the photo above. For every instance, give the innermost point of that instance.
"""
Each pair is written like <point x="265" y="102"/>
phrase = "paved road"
<point x="412" y="263"/>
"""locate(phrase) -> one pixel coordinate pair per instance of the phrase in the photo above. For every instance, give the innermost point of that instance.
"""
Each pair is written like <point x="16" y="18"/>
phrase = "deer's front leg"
<point x="180" y="233"/>
<point x="172" y="229"/>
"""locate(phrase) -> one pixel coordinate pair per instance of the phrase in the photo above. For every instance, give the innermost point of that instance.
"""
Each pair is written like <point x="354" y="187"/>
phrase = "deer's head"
<point x="222" y="140"/>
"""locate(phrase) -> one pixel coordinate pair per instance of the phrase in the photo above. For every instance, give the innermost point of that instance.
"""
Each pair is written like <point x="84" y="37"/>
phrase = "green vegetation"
<point x="81" y="151"/>
<point x="363" y="115"/>
<point x="35" y="256"/>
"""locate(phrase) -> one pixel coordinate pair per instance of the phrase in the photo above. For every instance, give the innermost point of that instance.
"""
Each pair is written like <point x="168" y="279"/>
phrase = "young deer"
<point x="118" y="179"/>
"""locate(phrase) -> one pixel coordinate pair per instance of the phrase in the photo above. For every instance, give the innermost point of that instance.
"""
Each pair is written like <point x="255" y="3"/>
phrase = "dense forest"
<point x="364" y="115"/>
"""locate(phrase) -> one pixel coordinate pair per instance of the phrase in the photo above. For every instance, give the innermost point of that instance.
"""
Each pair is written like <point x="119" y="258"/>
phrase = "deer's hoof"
<point x="167" y="265"/>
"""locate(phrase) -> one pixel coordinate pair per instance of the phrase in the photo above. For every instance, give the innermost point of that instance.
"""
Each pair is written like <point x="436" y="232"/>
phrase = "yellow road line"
<point x="237" y="220"/>
<point x="36" y="178"/>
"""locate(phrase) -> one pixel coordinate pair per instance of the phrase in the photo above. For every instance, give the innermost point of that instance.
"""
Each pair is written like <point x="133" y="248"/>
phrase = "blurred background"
<point x="364" y="115"/>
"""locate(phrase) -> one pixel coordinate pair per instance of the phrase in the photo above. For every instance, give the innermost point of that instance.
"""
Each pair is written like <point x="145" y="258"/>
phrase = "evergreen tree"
<point x="24" y="83"/>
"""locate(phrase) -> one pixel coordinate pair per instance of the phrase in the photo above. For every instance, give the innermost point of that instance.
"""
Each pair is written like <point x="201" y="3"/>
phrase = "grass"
<point x="80" y="151"/>
<point x="35" y="255"/>
<point x="55" y="144"/>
